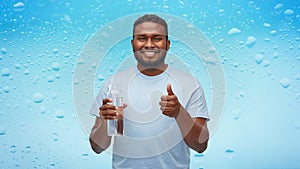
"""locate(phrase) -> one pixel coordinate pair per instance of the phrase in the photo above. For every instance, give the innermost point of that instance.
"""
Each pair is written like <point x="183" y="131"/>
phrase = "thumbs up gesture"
<point x="169" y="104"/>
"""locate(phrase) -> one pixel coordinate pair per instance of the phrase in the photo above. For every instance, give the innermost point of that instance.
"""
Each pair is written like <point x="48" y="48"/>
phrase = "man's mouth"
<point x="150" y="53"/>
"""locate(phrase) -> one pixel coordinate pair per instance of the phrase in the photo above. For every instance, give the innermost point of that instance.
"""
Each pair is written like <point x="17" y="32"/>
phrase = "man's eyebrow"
<point x="145" y="34"/>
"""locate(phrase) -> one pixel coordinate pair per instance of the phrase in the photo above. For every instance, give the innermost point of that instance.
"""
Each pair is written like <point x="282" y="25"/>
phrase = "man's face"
<point x="150" y="44"/>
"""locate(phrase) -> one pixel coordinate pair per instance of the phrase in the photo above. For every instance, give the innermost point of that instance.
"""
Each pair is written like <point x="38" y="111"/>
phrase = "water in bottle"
<point x="115" y="126"/>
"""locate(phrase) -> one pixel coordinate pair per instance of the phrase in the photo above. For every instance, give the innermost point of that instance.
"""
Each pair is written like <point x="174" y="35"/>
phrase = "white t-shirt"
<point x="151" y="139"/>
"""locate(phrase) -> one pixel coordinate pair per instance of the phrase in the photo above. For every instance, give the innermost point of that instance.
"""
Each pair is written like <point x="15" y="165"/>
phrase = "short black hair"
<point x="151" y="18"/>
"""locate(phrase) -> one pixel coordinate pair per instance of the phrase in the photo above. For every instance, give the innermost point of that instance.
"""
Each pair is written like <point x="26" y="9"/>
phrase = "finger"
<point x="167" y="97"/>
<point x="109" y="114"/>
<point x="167" y="103"/>
<point x="124" y="105"/>
<point x="106" y="100"/>
<point x="169" y="90"/>
<point x="107" y="107"/>
<point x="167" y="113"/>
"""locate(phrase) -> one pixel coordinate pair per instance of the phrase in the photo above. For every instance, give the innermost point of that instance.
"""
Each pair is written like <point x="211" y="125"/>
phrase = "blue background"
<point x="39" y="46"/>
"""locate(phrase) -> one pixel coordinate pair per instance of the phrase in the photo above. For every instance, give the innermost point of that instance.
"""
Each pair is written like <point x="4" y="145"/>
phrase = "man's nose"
<point x="149" y="43"/>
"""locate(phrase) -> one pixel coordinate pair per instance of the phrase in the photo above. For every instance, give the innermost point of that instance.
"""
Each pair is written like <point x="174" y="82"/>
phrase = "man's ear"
<point x="132" y="44"/>
<point x="168" y="45"/>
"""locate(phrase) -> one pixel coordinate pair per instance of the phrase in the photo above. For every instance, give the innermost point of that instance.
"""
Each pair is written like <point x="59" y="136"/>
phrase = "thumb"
<point x="169" y="90"/>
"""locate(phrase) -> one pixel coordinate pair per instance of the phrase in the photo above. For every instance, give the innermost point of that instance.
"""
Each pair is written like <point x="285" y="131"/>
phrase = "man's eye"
<point x="157" y="39"/>
<point x="141" y="38"/>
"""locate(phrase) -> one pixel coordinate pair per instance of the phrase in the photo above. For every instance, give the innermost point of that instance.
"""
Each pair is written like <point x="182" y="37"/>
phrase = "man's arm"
<point x="193" y="130"/>
<point x="99" y="139"/>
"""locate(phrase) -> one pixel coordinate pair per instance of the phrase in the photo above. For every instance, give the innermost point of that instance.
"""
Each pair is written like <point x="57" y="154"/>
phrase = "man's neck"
<point x="152" y="71"/>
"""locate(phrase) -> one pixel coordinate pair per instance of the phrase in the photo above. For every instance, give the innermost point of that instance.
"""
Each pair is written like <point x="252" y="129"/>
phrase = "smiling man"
<point x="165" y="111"/>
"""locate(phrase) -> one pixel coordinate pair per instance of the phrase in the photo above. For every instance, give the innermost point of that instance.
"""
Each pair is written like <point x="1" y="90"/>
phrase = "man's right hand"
<point x="108" y="111"/>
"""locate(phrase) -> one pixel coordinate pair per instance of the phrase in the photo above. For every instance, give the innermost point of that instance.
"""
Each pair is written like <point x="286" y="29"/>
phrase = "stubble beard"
<point x="149" y="63"/>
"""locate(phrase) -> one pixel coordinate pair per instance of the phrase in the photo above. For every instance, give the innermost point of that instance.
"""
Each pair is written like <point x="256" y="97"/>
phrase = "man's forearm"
<point x="194" y="131"/>
<point x="99" y="139"/>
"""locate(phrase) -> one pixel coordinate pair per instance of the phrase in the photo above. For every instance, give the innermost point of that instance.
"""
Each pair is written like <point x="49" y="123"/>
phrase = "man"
<point x="165" y="111"/>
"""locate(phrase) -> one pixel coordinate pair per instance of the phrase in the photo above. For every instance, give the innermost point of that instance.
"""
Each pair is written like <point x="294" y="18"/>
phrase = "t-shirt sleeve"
<point x="196" y="105"/>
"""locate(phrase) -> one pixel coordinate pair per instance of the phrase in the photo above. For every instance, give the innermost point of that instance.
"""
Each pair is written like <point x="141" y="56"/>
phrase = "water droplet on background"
<point x="3" y="50"/>
<point x="5" y="72"/>
<point x="289" y="14"/>
<point x="267" y="25"/>
<point x="17" y="66"/>
<point x="259" y="58"/>
<point x="55" y="66"/>
<point x="251" y="40"/>
<point x="275" y="55"/>
<point x="55" y="50"/>
<point x="26" y="72"/>
<point x="13" y="149"/>
<point x="285" y="82"/>
<point x="27" y="149"/>
<point x="199" y="155"/>
<point x="18" y="7"/>
<point x="6" y="89"/>
<point x="236" y="114"/>
<point x="60" y="114"/>
<point x="50" y="79"/>
<point x="2" y="131"/>
<point x="229" y="151"/>
<point x="85" y="155"/>
<point x="266" y="63"/>
<point x="38" y="97"/>
<point x="278" y="8"/>
<point x="233" y="31"/>
<point x="100" y="77"/>
<point x="273" y="32"/>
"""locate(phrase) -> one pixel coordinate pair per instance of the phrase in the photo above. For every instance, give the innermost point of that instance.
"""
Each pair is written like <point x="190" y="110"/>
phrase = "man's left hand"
<point x="169" y="104"/>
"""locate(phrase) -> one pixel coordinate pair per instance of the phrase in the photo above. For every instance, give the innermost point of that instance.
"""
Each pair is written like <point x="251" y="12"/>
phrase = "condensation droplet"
<point x="266" y="63"/>
<point x="55" y="66"/>
<point x="42" y="110"/>
<point x="236" y="114"/>
<point x="5" y="72"/>
<point x="18" y="7"/>
<point x="50" y="79"/>
<point x="60" y="114"/>
<point x="251" y="40"/>
<point x="289" y="14"/>
<point x="285" y="82"/>
<point x="229" y="151"/>
<point x="38" y="97"/>
<point x="13" y="149"/>
<point x="273" y="32"/>
<point x="267" y="25"/>
<point x="233" y="31"/>
<point x="2" y="131"/>
<point x="100" y="77"/>
<point x="85" y="155"/>
<point x="67" y="55"/>
<point x="221" y="12"/>
<point x="259" y="58"/>
<point x="275" y="55"/>
<point x="55" y="50"/>
<point x="3" y="50"/>
<point x="26" y="72"/>
<point x="27" y="149"/>
<point x="17" y="66"/>
<point x="6" y="89"/>
<point x="55" y="136"/>
<point x="199" y="155"/>
<point x="278" y="8"/>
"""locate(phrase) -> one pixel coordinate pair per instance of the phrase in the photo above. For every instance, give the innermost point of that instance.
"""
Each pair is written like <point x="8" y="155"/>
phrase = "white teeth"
<point x="149" y="53"/>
